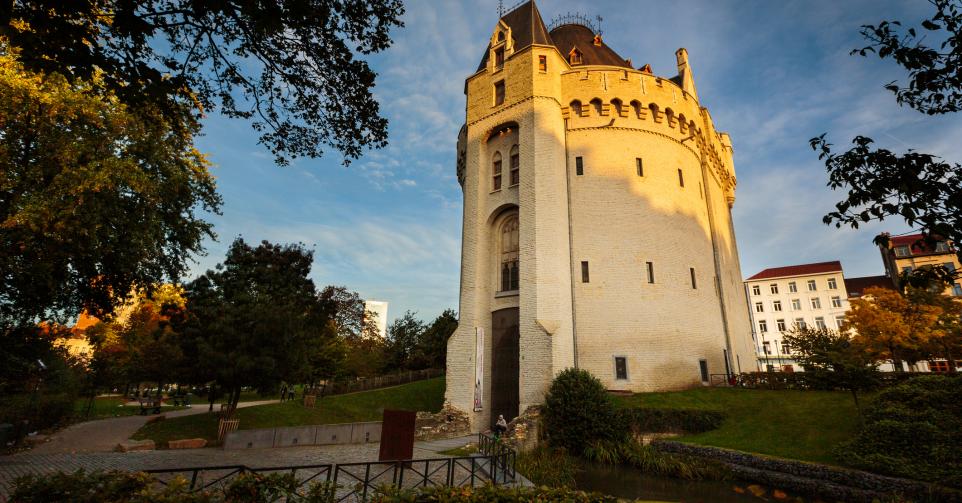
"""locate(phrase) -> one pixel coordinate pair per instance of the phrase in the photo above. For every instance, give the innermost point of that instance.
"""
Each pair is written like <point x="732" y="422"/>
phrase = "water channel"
<point x="631" y="483"/>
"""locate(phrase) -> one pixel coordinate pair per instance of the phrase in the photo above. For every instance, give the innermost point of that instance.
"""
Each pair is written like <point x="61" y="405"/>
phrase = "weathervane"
<point x="600" y="19"/>
<point x="500" y="9"/>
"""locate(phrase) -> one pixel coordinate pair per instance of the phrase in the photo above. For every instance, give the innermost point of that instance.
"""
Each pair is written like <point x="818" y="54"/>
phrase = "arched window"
<point x="619" y="107"/>
<point x="636" y="107"/>
<point x="575" y="107"/>
<point x="496" y="170"/>
<point x="500" y="36"/>
<point x="596" y="106"/>
<point x="509" y="254"/>
<point x="515" y="166"/>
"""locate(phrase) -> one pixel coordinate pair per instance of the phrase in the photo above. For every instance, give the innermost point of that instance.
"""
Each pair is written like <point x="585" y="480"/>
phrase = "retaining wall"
<point x="321" y="434"/>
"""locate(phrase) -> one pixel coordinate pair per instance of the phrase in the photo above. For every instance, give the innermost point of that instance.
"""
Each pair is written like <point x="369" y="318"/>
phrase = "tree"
<point x="921" y="188"/>
<point x="96" y="196"/>
<point x="891" y="326"/>
<point x="255" y="320"/>
<point x="946" y="336"/>
<point x="834" y="358"/>
<point x="432" y="347"/>
<point x="403" y="336"/>
<point x="362" y="346"/>
<point x="289" y="66"/>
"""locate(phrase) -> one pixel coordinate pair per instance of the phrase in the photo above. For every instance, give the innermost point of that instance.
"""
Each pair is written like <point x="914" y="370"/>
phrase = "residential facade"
<point x="781" y="298"/>
<point x="911" y="252"/>
<point x="376" y="313"/>
<point x="597" y="230"/>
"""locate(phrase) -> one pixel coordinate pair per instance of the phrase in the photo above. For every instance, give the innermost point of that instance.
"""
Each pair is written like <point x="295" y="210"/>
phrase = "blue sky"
<point x="773" y="74"/>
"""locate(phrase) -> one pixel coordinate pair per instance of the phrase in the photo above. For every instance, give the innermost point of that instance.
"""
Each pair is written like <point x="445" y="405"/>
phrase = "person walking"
<point x="283" y="392"/>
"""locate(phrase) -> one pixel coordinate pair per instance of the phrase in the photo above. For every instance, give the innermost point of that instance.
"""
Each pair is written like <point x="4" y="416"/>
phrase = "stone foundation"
<point x="448" y="423"/>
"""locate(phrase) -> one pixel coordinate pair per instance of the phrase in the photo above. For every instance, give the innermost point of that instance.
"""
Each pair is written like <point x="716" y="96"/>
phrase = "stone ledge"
<point x="135" y="445"/>
<point x="187" y="443"/>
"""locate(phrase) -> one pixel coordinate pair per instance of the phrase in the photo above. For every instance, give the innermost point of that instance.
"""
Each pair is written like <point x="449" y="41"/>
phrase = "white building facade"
<point x="781" y="298"/>
<point x="377" y="314"/>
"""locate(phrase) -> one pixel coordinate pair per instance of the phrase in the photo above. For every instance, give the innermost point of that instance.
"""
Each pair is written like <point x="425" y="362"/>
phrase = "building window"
<point x="499" y="57"/>
<point x="811" y="285"/>
<point x="639" y="167"/>
<point x="839" y="320"/>
<point x="816" y="303"/>
<point x="773" y="287"/>
<point x="496" y="171"/>
<point x="907" y="269"/>
<point x="651" y="271"/>
<point x="703" y="367"/>
<point x="515" y="166"/>
<point x="543" y="63"/>
<point x="767" y="347"/>
<point x="792" y="287"/>
<point x="509" y="255"/>
<point x="800" y="323"/>
<point x="681" y="178"/>
<point x="820" y="322"/>
<point x="621" y="368"/>
<point x="942" y="247"/>
<point x="796" y="305"/>
<point x="836" y="301"/>
<point x="780" y="324"/>
<point x="786" y="349"/>
<point x="499" y="93"/>
<point x="957" y="290"/>
<point x="694" y="283"/>
<point x="902" y="251"/>
<point x="584" y="272"/>
<point x="949" y="266"/>
<point x="759" y="307"/>
<point x="579" y="166"/>
<point x="777" y="305"/>
<point x="832" y="284"/>
<point x="756" y="290"/>
<point x="763" y="326"/>
<point x="574" y="57"/>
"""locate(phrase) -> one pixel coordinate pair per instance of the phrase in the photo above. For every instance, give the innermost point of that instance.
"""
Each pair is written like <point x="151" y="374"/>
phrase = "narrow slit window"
<point x="499" y="93"/>
<point x="694" y="282"/>
<point x="651" y="271"/>
<point x="639" y="166"/>
<point x="584" y="272"/>
<point x="515" y="166"/>
<point x="543" y="63"/>
<point x="579" y="166"/>
<point x="703" y="367"/>
<point x="681" y="178"/>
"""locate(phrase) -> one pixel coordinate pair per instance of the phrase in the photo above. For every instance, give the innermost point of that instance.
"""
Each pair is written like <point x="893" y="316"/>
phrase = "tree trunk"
<point x="858" y="407"/>
<point x="210" y="397"/>
<point x="896" y="362"/>
<point x="950" y="359"/>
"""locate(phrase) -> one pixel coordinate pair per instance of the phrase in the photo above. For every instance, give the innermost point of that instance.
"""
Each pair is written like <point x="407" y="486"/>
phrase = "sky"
<point x="772" y="74"/>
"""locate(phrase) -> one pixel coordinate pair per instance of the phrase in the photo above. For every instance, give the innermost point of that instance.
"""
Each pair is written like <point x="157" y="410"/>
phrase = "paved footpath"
<point x="102" y="435"/>
<point x="29" y="462"/>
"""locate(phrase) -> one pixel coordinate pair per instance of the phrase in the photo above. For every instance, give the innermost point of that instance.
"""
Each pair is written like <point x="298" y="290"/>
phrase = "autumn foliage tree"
<point x="891" y="326"/>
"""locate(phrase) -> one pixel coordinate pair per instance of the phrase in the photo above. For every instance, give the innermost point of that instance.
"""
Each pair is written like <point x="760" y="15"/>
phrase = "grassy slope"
<point x="802" y="425"/>
<point x="364" y="406"/>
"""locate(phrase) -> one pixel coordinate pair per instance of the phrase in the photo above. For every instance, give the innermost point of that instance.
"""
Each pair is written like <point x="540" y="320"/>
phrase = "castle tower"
<point x="597" y="228"/>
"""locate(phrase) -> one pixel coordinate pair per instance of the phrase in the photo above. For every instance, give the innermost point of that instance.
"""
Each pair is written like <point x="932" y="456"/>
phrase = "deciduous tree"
<point x="890" y="326"/>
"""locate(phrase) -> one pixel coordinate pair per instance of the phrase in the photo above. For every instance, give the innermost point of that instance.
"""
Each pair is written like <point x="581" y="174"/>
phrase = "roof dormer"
<point x="501" y="46"/>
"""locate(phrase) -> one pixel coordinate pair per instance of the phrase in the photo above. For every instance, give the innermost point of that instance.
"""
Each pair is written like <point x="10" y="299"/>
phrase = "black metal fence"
<point x="799" y="380"/>
<point x="369" y="383"/>
<point x="359" y="481"/>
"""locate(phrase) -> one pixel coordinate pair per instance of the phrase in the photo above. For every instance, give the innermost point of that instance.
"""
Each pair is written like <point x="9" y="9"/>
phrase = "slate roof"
<point x="799" y="270"/>
<point x="855" y="286"/>
<point x="527" y="28"/>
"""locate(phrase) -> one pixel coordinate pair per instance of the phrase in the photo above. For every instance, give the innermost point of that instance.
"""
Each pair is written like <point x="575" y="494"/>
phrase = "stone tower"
<point x="597" y="228"/>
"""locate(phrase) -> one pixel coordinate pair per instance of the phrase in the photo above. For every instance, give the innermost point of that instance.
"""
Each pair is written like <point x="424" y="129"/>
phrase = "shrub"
<point x="578" y="411"/>
<point x="645" y="420"/>
<point x="912" y="430"/>
<point x="493" y="493"/>
<point x="42" y="410"/>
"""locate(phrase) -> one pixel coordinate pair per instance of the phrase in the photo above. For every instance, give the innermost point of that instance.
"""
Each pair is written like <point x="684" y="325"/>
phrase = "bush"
<point x="912" y="430"/>
<point x="645" y="420"/>
<point x="41" y="410"/>
<point x="578" y="411"/>
<point x="493" y="493"/>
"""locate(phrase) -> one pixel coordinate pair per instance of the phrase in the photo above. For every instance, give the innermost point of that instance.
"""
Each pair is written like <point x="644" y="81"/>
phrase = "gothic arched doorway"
<point x="504" y="363"/>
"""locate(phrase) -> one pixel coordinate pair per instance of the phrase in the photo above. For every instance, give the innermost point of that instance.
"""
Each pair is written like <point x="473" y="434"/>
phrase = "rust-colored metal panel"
<point x="397" y="435"/>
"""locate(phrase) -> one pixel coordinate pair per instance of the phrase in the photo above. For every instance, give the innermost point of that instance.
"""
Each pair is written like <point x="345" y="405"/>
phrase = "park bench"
<point x="149" y="404"/>
<point x="182" y="400"/>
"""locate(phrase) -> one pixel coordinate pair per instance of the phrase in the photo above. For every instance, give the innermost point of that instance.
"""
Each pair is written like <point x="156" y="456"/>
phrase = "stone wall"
<point x="322" y="434"/>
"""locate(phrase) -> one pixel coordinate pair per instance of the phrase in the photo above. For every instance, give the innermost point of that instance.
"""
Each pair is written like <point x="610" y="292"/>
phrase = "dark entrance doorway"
<point x="504" y="363"/>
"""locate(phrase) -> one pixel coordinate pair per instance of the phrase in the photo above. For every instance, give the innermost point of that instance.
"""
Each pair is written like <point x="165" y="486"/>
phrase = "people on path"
<point x="283" y="392"/>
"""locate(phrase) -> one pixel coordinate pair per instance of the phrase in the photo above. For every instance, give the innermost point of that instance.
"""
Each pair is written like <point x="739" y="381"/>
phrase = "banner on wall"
<point x="478" y="367"/>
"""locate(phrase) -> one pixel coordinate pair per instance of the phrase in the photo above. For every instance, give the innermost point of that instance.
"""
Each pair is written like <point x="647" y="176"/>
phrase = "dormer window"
<point x="574" y="57"/>
<point x="902" y="251"/>
<point x="499" y="57"/>
<point x="500" y="36"/>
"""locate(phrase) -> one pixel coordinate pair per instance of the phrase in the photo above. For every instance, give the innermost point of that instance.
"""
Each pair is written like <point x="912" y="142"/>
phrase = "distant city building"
<point x="908" y="253"/>
<point x="377" y="314"/>
<point x="781" y="298"/>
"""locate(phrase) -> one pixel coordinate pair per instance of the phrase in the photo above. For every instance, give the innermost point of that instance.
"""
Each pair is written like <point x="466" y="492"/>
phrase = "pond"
<point x="631" y="483"/>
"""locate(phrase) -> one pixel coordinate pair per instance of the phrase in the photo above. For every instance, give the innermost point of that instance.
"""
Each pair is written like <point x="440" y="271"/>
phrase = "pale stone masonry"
<point x="597" y="227"/>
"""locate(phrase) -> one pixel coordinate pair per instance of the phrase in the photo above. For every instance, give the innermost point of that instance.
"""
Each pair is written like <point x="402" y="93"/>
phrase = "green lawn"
<point x="108" y="406"/>
<point x="425" y="395"/>
<point x="803" y="425"/>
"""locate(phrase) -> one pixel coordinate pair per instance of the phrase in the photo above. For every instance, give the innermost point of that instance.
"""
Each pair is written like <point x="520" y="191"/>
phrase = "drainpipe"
<point x="571" y="254"/>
